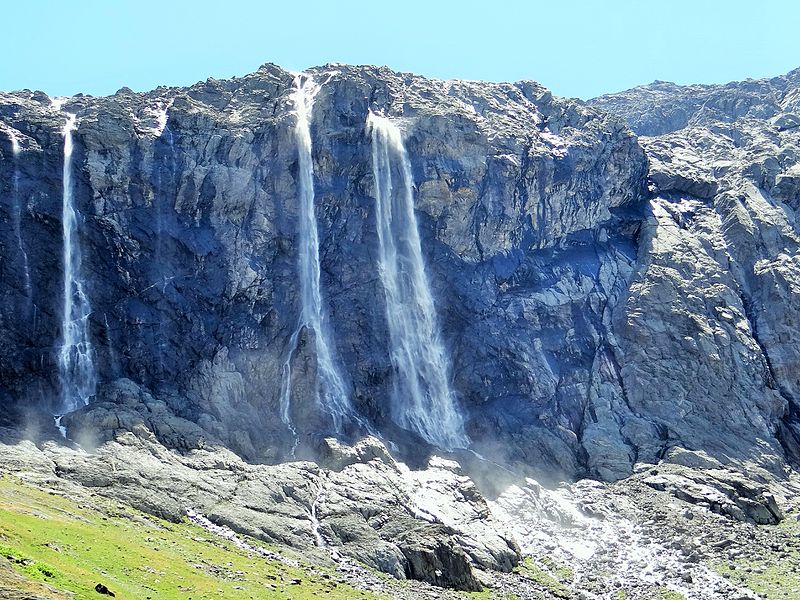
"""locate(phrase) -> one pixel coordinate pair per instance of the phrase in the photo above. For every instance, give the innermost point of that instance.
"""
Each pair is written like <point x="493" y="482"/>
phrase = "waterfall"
<point x="422" y="400"/>
<point x="331" y="390"/>
<point x="17" y="217"/>
<point x="75" y="362"/>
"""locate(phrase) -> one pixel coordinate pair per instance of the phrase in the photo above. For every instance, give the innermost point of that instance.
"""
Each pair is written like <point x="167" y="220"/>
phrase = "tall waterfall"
<point x="331" y="390"/>
<point x="75" y="362"/>
<point x="422" y="399"/>
<point x="17" y="217"/>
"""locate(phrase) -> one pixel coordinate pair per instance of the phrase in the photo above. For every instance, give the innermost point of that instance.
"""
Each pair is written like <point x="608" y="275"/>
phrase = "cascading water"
<point x="75" y="361"/>
<point x="17" y="217"/>
<point x="422" y="399"/>
<point x="331" y="390"/>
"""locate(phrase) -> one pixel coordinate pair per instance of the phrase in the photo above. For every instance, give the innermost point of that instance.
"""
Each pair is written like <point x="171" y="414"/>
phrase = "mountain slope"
<point x="614" y="307"/>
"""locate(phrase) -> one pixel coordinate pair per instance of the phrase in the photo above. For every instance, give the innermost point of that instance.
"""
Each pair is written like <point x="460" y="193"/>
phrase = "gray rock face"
<point x="663" y="107"/>
<point x="723" y="492"/>
<point x="707" y="325"/>
<point x="592" y="322"/>
<point x="431" y="525"/>
<point x="189" y="223"/>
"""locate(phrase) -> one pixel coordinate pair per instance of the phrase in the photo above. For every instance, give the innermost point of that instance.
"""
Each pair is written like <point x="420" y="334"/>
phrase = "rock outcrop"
<point x="433" y="525"/>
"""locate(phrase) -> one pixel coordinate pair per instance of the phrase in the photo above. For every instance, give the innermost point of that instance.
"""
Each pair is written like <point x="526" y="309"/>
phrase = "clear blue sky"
<point x="581" y="48"/>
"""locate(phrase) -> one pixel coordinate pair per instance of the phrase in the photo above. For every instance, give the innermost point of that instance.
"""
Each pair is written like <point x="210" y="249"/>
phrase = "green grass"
<point x="779" y="580"/>
<point x="560" y="572"/>
<point x="776" y="581"/>
<point x="488" y="594"/>
<point x="667" y="594"/>
<point x="50" y="539"/>
<point x="547" y="574"/>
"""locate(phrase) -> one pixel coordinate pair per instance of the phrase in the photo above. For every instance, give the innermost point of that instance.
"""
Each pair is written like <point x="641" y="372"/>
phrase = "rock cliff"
<point x="616" y="283"/>
<point x="528" y="206"/>
<point x="709" y="325"/>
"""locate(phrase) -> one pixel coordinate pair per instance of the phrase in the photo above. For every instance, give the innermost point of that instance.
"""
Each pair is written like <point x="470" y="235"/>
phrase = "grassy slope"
<point x="778" y="574"/>
<point x="551" y="577"/>
<point x="51" y="540"/>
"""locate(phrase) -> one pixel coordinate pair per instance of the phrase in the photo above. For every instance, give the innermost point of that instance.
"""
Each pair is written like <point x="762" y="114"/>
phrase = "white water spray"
<point x="113" y="358"/>
<point x="75" y="362"/>
<point x="422" y="399"/>
<point x="61" y="429"/>
<point x="17" y="216"/>
<point x="549" y="523"/>
<point x="331" y="390"/>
